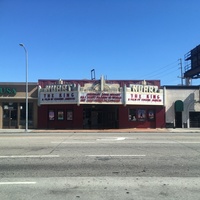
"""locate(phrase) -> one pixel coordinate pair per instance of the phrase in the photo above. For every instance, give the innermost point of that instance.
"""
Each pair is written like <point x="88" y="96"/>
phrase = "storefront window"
<point x="23" y="114"/>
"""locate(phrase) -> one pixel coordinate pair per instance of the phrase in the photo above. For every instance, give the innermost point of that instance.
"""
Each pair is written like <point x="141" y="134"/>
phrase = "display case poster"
<point x="151" y="115"/>
<point x="60" y="115"/>
<point x="69" y="115"/>
<point x="51" y="115"/>
<point x="141" y="115"/>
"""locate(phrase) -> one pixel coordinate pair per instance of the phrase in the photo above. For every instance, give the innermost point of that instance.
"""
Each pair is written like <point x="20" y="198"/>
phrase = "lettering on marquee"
<point x="145" y="97"/>
<point x="100" y="97"/>
<point x="144" y="88"/>
<point x="59" y="88"/>
<point x="144" y="94"/>
<point x="58" y="96"/>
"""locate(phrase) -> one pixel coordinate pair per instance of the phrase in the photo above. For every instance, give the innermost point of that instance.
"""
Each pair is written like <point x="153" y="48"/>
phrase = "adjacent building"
<point x="13" y="106"/>
<point x="182" y="106"/>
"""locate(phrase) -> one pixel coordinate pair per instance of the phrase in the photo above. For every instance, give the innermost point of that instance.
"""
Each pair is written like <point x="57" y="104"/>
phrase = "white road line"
<point x="31" y="156"/>
<point x="188" y="142"/>
<point x="134" y="142"/>
<point x="115" y="155"/>
<point x="73" y="142"/>
<point x="17" y="183"/>
<point x="121" y="138"/>
<point x="111" y="139"/>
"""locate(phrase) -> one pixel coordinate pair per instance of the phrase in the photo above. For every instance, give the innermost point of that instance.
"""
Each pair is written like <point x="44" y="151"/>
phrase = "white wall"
<point x="190" y="98"/>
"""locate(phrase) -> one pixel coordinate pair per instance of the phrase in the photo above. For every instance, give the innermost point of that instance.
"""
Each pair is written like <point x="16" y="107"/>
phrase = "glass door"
<point x="10" y="115"/>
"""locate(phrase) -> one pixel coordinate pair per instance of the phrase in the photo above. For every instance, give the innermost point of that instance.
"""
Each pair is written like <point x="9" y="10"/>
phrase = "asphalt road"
<point x="100" y="166"/>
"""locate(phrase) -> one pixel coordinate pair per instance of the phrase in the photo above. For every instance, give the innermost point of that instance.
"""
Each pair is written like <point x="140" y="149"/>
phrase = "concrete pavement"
<point x="50" y="165"/>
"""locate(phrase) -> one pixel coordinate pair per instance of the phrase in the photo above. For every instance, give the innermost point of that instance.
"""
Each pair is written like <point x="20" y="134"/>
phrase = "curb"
<point x="131" y="130"/>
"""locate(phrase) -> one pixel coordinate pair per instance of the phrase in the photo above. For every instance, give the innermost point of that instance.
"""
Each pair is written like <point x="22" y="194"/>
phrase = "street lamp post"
<point x="26" y="52"/>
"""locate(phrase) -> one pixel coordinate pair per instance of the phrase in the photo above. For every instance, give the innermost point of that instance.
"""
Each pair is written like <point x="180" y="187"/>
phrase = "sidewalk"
<point x="130" y="130"/>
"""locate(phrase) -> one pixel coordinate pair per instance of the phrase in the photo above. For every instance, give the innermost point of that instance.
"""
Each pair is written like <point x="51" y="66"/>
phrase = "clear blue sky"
<point x="120" y="39"/>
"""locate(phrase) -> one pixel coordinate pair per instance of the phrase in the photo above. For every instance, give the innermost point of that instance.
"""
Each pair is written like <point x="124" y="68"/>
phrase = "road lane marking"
<point x="111" y="139"/>
<point x="30" y="156"/>
<point x="115" y="155"/>
<point x="121" y="138"/>
<point x="188" y="142"/>
<point x="73" y="142"/>
<point x="17" y="183"/>
<point x="124" y="142"/>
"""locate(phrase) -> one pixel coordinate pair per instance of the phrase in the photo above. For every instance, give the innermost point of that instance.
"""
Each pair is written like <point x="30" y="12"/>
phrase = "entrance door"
<point x="94" y="119"/>
<point x="10" y="119"/>
<point x="178" y="119"/>
<point x="194" y="119"/>
<point x="10" y="115"/>
<point x="100" y="117"/>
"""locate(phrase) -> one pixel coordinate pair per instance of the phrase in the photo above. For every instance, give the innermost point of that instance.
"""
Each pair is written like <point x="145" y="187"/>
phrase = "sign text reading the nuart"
<point x="144" y="88"/>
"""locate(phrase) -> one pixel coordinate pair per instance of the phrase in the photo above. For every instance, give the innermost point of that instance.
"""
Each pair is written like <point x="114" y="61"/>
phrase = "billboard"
<point x="192" y="67"/>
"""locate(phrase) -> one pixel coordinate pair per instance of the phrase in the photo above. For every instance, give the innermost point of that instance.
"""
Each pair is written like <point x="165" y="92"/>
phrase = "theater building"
<point x="13" y="106"/>
<point x="100" y="104"/>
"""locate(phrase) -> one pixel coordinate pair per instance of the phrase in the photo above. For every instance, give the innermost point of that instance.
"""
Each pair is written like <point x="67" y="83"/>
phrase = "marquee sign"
<point x="144" y="94"/>
<point x="144" y="98"/>
<point x="101" y="97"/>
<point x="141" y="93"/>
<point x="59" y="88"/>
<point x="58" y="97"/>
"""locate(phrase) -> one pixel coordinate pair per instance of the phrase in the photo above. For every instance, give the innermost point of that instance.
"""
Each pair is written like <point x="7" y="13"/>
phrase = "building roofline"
<point x="18" y="83"/>
<point x="180" y="86"/>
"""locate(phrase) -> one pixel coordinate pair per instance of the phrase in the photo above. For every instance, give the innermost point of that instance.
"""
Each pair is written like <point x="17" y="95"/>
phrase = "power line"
<point x="163" y="74"/>
<point x="157" y="72"/>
